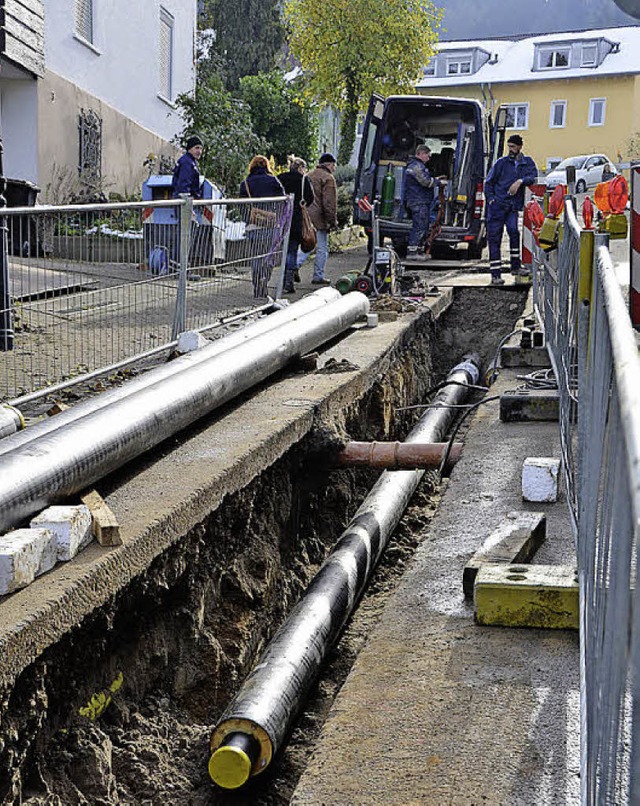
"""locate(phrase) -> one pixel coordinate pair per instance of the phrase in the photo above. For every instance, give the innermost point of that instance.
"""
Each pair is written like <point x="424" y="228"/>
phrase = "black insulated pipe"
<point x="274" y="691"/>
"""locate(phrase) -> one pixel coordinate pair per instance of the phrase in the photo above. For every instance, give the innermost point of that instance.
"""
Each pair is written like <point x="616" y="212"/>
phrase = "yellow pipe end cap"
<point x="229" y="767"/>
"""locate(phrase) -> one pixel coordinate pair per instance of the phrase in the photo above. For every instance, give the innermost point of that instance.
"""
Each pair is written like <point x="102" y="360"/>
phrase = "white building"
<point x="88" y="89"/>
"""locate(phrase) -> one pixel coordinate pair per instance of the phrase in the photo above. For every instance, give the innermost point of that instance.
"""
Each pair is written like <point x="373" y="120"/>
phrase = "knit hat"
<point x="516" y="140"/>
<point x="194" y="140"/>
<point x="326" y="158"/>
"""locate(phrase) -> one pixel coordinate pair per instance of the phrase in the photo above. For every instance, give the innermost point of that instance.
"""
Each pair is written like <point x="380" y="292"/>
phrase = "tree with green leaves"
<point x="224" y="124"/>
<point x="280" y="115"/>
<point x="349" y="48"/>
<point x="247" y="36"/>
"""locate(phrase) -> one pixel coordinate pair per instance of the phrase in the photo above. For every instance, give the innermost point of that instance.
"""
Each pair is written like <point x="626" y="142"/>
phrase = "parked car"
<point x="589" y="169"/>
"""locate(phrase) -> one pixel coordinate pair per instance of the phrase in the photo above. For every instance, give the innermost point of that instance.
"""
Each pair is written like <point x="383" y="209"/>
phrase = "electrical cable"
<point x="470" y="407"/>
<point x="437" y="388"/>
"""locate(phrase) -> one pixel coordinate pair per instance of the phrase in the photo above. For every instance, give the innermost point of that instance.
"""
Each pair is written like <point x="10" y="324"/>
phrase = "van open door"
<point x="498" y="134"/>
<point x="365" y="172"/>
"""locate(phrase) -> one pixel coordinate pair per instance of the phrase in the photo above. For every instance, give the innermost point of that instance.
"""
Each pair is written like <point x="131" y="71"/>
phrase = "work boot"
<point x="496" y="280"/>
<point x="321" y="281"/>
<point x="296" y="277"/>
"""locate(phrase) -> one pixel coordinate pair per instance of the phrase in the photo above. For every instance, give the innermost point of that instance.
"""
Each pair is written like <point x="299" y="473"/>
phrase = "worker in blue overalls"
<point x="419" y="198"/>
<point x="504" y="192"/>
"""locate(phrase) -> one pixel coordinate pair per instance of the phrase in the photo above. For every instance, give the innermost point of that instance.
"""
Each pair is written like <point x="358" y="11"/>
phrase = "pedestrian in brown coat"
<point x="323" y="212"/>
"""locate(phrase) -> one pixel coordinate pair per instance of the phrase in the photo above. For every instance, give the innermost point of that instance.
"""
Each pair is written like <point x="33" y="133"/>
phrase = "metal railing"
<point x="592" y="347"/>
<point x="94" y="288"/>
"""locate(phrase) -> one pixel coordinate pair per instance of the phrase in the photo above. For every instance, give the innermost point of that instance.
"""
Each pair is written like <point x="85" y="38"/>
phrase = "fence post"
<point x="585" y="270"/>
<point x="634" y="241"/>
<point x="287" y="210"/>
<point x="180" y="315"/>
<point x="6" y="316"/>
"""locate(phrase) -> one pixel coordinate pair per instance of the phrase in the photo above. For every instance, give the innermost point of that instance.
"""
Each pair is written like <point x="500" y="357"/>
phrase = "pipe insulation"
<point x="255" y="724"/>
<point x="264" y="325"/>
<point x="69" y="459"/>
<point x="11" y="420"/>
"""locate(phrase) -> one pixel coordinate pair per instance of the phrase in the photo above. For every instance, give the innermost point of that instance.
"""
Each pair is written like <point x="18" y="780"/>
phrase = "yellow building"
<point x="568" y="94"/>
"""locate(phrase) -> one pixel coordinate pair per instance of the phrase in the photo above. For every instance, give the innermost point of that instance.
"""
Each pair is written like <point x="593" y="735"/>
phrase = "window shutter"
<point x="84" y="19"/>
<point x="166" y="53"/>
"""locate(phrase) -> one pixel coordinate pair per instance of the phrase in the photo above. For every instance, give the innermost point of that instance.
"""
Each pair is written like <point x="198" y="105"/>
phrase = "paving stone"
<point x="71" y="526"/>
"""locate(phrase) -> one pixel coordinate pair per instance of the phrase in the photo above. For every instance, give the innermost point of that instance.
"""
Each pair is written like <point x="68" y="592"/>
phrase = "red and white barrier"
<point x="528" y="241"/>
<point x="634" y="260"/>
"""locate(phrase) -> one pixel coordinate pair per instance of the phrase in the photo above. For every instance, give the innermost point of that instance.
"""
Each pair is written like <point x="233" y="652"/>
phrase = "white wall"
<point x="122" y="67"/>
<point x="18" y="123"/>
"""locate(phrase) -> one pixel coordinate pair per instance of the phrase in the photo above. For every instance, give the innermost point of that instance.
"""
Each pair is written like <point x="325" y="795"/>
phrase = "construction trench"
<point x="116" y="667"/>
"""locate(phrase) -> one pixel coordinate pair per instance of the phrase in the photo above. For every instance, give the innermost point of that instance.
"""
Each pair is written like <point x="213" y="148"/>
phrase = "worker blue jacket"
<point x="186" y="177"/>
<point x="503" y="174"/>
<point x="418" y="183"/>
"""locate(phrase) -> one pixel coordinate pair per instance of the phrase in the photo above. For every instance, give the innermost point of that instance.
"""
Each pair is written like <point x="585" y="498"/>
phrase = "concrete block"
<point x="71" y="527"/>
<point x="540" y="596"/>
<point x="534" y="405"/>
<point x="24" y="555"/>
<point x="372" y="320"/>
<point x="540" y="476"/>
<point x="515" y="540"/>
<point x="189" y="341"/>
<point x="515" y="356"/>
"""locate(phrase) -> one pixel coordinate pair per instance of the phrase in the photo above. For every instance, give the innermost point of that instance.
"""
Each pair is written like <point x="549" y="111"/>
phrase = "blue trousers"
<point x="423" y="214"/>
<point x="497" y="219"/>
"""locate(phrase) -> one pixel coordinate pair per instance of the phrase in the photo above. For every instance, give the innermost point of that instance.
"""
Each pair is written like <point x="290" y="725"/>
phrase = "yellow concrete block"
<point x="541" y="596"/>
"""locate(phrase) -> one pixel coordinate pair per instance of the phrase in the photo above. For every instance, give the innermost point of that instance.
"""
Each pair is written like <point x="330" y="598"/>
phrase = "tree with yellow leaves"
<point x="349" y="48"/>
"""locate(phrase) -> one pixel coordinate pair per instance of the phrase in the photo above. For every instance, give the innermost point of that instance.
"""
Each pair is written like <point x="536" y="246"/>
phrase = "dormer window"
<point x="459" y="66"/>
<point x="553" y="57"/>
<point x="589" y="55"/>
<point x="430" y="67"/>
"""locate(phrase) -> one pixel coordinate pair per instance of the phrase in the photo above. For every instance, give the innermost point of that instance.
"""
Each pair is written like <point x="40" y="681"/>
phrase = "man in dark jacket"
<point x="186" y="174"/>
<point x="504" y="192"/>
<point x="294" y="181"/>
<point x="419" y="197"/>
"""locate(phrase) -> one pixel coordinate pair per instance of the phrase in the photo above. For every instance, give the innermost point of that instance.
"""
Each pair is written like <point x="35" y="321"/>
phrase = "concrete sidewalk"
<point x="437" y="710"/>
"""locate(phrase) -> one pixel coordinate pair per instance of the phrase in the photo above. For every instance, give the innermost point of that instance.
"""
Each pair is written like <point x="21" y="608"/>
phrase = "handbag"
<point x="257" y="216"/>
<point x="308" y="237"/>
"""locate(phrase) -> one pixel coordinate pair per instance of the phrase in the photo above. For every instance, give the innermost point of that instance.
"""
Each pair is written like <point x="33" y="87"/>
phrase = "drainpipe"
<point x="254" y="726"/>
<point x="69" y="459"/>
<point x="309" y="303"/>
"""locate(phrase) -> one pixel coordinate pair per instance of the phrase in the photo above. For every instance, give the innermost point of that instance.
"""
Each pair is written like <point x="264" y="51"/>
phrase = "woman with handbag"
<point x="260" y="183"/>
<point x="294" y="181"/>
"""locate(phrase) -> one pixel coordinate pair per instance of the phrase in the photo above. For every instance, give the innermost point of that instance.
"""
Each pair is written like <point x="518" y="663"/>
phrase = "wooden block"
<point x="104" y="523"/>
<point x="539" y="596"/>
<point x="57" y="407"/>
<point x="532" y="405"/>
<point x="515" y="540"/>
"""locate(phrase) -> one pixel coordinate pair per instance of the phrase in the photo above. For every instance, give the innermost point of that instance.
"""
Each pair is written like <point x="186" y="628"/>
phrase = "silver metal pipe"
<point x="270" y="697"/>
<point x="71" y="458"/>
<point x="11" y="420"/>
<point x="291" y="313"/>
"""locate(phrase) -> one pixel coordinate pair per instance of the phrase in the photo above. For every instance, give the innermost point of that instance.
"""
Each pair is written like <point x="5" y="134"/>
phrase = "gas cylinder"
<point x="388" y="192"/>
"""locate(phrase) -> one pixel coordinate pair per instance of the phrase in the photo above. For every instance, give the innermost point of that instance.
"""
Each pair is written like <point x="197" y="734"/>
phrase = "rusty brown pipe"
<point x="398" y="455"/>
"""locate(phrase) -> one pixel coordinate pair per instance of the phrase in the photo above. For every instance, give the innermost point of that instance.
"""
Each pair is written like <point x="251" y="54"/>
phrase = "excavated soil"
<point x="181" y="638"/>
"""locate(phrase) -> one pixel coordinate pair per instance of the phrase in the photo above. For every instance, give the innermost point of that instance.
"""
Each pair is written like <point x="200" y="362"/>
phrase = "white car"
<point x="589" y="168"/>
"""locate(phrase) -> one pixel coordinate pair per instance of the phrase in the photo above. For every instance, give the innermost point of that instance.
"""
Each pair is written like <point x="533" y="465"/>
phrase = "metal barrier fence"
<point x="595" y="358"/>
<point x="94" y="288"/>
<point x="557" y="288"/>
